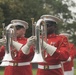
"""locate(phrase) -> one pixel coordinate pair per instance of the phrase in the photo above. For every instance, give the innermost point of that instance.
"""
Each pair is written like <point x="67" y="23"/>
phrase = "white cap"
<point x="50" y="18"/>
<point x="65" y="34"/>
<point x="20" y="22"/>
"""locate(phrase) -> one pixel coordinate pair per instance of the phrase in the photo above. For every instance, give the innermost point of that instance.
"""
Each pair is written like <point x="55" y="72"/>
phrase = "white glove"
<point x="26" y="48"/>
<point x="49" y="48"/>
<point x="17" y="45"/>
<point x="31" y="40"/>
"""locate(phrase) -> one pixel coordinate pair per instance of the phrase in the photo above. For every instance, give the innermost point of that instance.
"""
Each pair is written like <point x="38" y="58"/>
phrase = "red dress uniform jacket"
<point x="68" y="65"/>
<point x="51" y="66"/>
<point x="21" y="59"/>
<point x="2" y="51"/>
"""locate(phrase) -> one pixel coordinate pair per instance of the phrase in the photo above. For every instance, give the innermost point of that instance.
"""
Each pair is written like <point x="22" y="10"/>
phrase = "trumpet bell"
<point x="7" y="58"/>
<point x="38" y="58"/>
<point x="4" y="64"/>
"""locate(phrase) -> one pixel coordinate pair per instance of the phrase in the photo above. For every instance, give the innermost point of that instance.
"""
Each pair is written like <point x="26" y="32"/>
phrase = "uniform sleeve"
<point x="28" y="57"/>
<point x="75" y="51"/>
<point x="61" y="55"/>
<point x="62" y="52"/>
<point x="2" y="51"/>
<point x="72" y="51"/>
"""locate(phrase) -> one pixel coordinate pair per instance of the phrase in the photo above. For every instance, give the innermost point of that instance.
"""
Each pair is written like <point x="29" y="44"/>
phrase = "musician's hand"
<point x="26" y="48"/>
<point x="31" y="40"/>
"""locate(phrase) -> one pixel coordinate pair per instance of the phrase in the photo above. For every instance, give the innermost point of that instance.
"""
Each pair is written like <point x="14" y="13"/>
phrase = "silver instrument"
<point x="40" y="29"/>
<point x="7" y="57"/>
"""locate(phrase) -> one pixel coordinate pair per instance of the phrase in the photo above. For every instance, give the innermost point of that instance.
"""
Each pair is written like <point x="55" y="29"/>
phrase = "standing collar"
<point x="21" y="38"/>
<point x="52" y="35"/>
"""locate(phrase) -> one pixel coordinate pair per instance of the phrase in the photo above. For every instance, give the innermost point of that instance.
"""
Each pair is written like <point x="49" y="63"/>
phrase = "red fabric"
<point x="2" y="51"/>
<point x="50" y="72"/>
<point x="61" y="54"/>
<point x="75" y="52"/>
<point x="18" y="70"/>
<point x="68" y="65"/>
<point x="20" y="57"/>
<point x="72" y="50"/>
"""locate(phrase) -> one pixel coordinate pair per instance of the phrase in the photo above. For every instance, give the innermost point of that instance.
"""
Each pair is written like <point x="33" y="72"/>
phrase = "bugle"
<point x="7" y="57"/>
<point x="39" y="29"/>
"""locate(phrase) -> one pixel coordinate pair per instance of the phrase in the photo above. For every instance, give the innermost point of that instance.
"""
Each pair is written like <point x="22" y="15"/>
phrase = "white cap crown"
<point x="20" y="22"/>
<point x="65" y="34"/>
<point x="50" y="18"/>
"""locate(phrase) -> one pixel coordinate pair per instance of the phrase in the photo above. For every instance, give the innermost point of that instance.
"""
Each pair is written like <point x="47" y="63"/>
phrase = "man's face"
<point x="20" y="32"/>
<point x="51" y="27"/>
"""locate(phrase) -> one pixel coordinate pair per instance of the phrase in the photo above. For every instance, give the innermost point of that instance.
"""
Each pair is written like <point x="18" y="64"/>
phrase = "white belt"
<point x="19" y="64"/>
<point x="49" y="66"/>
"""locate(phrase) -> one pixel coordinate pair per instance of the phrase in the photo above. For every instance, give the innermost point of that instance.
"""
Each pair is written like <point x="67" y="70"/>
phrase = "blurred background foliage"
<point x="27" y="9"/>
